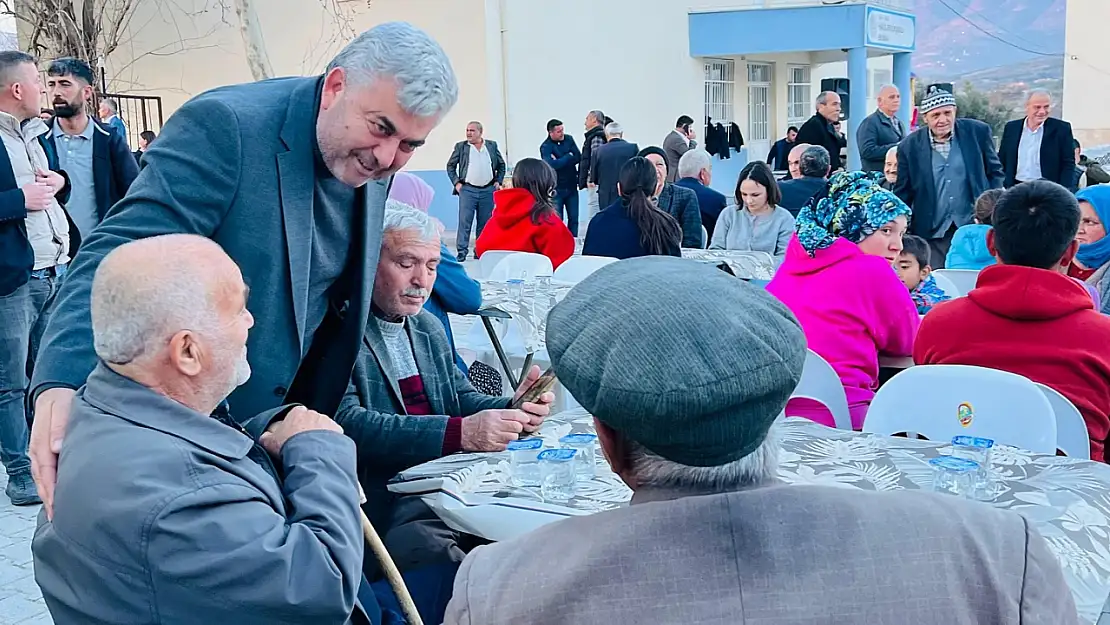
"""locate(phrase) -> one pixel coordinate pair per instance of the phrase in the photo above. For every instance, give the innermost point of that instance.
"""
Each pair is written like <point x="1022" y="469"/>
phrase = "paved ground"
<point x="20" y="600"/>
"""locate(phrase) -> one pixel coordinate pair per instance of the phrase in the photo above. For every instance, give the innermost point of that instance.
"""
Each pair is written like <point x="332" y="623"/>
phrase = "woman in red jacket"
<point x="524" y="218"/>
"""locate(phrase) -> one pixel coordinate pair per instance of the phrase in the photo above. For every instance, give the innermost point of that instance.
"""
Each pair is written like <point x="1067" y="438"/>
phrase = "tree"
<point x="90" y="31"/>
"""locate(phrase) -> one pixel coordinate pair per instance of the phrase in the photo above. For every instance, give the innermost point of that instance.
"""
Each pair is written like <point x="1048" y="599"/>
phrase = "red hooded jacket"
<point x="511" y="229"/>
<point x="1032" y="322"/>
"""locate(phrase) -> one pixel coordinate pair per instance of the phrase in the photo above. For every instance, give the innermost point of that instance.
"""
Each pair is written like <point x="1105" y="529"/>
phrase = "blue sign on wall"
<point x="890" y="30"/>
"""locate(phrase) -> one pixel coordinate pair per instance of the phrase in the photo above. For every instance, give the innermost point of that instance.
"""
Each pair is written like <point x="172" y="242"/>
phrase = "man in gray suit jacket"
<point x="678" y="142"/>
<point x="711" y="536"/>
<point x="165" y="514"/>
<point x="881" y="130"/>
<point x="289" y="177"/>
<point x="476" y="169"/>
<point x="408" y="403"/>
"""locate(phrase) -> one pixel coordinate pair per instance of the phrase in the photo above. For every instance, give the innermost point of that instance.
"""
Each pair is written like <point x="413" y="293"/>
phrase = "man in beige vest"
<point x="34" y="254"/>
<point x="685" y="369"/>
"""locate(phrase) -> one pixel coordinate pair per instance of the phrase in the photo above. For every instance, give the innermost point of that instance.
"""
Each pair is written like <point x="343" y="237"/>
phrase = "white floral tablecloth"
<point x="1067" y="500"/>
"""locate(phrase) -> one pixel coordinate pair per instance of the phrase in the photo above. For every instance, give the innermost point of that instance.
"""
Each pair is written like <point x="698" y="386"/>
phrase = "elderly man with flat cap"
<point x="686" y="370"/>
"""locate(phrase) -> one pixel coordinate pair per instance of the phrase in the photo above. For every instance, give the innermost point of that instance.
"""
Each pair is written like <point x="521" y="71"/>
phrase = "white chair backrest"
<point x="487" y="262"/>
<point x="1071" y="430"/>
<point x="942" y="401"/>
<point x="577" y="268"/>
<point x="946" y="285"/>
<point x="962" y="279"/>
<point x="820" y="383"/>
<point x="519" y="265"/>
<point x="704" y="238"/>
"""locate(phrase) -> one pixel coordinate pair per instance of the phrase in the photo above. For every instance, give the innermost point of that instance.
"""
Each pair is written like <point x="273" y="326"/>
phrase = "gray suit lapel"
<point x="373" y="340"/>
<point x="296" y="172"/>
<point x="429" y="372"/>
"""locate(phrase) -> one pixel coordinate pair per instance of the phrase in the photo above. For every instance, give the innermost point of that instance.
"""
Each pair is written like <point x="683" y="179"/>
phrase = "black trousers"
<point x="938" y="248"/>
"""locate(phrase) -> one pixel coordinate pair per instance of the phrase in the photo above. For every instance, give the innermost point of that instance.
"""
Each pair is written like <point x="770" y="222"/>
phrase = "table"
<point x="529" y="312"/>
<point x="1067" y="500"/>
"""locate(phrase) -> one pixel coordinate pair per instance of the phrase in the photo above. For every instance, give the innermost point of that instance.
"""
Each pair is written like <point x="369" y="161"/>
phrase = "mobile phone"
<point x="543" y="384"/>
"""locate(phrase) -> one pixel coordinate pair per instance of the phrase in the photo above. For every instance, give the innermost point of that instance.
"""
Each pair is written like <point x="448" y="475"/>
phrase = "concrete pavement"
<point x="20" y="600"/>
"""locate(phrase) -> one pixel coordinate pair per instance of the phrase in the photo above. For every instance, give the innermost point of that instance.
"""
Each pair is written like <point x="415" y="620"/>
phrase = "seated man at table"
<point x="408" y="403"/>
<point x="1025" y="314"/>
<point x="165" y="514"/>
<point x="712" y="537"/>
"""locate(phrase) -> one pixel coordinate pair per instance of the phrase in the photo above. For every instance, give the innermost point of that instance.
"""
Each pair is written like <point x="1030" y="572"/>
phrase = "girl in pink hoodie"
<point x="839" y="281"/>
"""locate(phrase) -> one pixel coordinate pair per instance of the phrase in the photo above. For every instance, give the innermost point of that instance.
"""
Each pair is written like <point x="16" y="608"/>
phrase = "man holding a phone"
<point x="408" y="403"/>
<point x="678" y="142"/>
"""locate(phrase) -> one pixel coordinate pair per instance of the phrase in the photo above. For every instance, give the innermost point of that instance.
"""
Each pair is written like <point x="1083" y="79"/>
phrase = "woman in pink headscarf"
<point x="454" y="291"/>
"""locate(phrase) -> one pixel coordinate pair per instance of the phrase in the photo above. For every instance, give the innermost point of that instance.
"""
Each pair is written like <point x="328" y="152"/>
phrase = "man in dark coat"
<point x="942" y="169"/>
<point x="814" y="167"/>
<point x="96" y="159"/>
<point x="680" y="202"/>
<point x="818" y="130"/>
<point x="695" y="172"/>
<point x="1038" y="146"/>
<point x="881" y="130"/>
<point x="606" y="167"/>
<point x="561" y="152"/>
<point x="776" y="158"/>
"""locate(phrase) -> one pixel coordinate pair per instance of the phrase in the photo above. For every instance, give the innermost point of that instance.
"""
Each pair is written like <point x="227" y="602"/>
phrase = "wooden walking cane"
<point x="408" y="607"/>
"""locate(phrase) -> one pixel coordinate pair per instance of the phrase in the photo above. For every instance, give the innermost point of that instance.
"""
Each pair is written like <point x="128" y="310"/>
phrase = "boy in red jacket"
<point x="1026" y="315"/>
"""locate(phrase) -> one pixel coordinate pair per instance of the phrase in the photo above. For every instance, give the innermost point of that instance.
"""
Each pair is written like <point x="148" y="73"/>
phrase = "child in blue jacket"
<point x="969" y="244"/>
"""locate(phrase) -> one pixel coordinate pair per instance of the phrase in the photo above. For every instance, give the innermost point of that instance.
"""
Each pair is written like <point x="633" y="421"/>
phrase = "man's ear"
<point x="991" y="247"/>
<point x="1069" y="253"/>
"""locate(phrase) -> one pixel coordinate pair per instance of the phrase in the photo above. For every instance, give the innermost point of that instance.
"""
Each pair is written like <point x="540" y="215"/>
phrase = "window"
<point x="798" y="101"/>
<point x="759" y="104"/>
<point x="720" y="80"/>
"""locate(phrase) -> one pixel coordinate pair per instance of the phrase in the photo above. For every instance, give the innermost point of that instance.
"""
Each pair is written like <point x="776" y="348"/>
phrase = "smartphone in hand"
<point x="543" y="384"/>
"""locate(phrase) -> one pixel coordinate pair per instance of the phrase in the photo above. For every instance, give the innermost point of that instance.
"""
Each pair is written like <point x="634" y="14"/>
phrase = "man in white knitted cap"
<point x="943" y="168"/>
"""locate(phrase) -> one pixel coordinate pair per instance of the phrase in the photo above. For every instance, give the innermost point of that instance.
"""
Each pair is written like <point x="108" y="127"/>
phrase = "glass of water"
<point x="977" y="450"/>
<point x="516" y="288"/>
<point x="955" y="476"/>
<point x="584" y="444"/>
<point x="557" y="468"/>
<point x="524" y="462"/>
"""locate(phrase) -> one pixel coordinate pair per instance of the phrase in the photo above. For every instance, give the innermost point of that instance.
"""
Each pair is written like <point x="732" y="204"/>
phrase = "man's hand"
<point x="297" y="420"/>
<point x="52" y="178"/>
<point x="37" y="195"/>
<point x="49" y="428"/>
<point x="533" y="413"/>
<point x="497" y="186"/>
<point x="691" y="135"/>
<point x="590" y="185"/>
<point x="491" y="430"/>
<point x="458" y="187"/>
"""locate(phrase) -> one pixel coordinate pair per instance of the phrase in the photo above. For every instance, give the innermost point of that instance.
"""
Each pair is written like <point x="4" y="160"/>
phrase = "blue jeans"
<point x="24" y="314"/>
<point x="568" y="199"/>
<point x="430" y="588"/>
<point x="473" y="200"/>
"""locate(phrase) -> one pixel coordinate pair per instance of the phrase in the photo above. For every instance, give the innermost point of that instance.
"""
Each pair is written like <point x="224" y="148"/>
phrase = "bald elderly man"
<point x="881" y="130"/>
<point x="164" y="514"/>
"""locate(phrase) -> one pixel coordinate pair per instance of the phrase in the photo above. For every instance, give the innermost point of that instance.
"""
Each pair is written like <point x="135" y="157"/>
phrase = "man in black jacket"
<point x="607" y="164"/>
<point x="776" y="158"/>
<point x="34" y="255"/>
<point x="943" y="167"/>
<point x="1038" y="146"/>
<point x="561" y="152"/>
<point x="594" y="139"/>
<point x="97" y="160"/>
<point x="818" y="130"/>
<point x="814" y="167"/>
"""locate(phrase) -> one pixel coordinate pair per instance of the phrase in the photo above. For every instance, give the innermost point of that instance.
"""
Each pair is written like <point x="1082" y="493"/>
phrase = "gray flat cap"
<point x="677" y="355"/>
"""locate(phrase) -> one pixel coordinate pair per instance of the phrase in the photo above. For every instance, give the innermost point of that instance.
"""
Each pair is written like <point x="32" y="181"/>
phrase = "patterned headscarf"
<point x="852" y="205"/>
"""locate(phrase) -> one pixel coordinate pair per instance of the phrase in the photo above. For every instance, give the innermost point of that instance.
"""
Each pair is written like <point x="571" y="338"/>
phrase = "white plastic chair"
<point x="942" y="401"/>
<point x="519" y="264"/>
<point x="943" y="283"/>
<point x="578" y="268"/>
<point x="963" y="279"/>
<point x="820" y="383"/>
<point x="488" y="261"/>
<point x="704" y="238"/>
<point x="1072" y="437"/>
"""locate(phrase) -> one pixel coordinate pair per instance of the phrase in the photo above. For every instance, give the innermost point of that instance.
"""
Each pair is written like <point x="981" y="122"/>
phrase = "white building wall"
<point x="839" y="69"/>
<point x="1087" y="71"/>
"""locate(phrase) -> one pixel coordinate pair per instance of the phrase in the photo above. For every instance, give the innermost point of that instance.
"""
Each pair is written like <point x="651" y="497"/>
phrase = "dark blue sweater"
<point x="612" y="233"/>
<point x="563" y="157"/>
